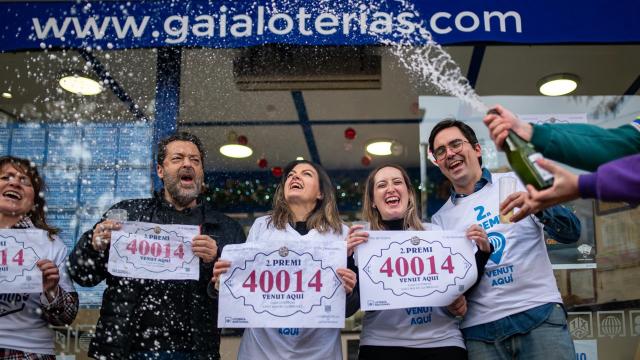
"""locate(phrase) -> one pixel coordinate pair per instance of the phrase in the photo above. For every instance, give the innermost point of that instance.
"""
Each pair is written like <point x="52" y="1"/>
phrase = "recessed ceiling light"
<point x="80" y="85"/>
<point x="7" y="95"/>
<point x="236" y="151"/>
<point x="558" y="84"/>
<point x="299" y="158"/>
<point x="379" y="147"/>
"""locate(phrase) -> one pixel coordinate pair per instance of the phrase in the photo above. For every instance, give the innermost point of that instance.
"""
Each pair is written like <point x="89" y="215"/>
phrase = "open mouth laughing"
<point x="12" y="195"/>
<point x="455" y="164"/>
<point x="187" y="178"/>
<point x="296" y="185"/>
<point x="393" y="200"/>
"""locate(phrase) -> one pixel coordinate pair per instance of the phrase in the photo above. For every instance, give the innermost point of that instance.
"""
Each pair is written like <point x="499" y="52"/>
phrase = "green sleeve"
<point x="585" y="146"/>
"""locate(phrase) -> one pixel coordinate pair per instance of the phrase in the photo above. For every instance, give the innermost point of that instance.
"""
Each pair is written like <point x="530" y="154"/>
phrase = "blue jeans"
<point x="550" y="340"/>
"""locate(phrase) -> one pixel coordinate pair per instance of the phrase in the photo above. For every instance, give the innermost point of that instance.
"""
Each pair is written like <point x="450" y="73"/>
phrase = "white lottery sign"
<point x="152" y="251"/>
<point x="283" y="284"/>
<point x="402" y="269"/>
<point x="20" y="250"/>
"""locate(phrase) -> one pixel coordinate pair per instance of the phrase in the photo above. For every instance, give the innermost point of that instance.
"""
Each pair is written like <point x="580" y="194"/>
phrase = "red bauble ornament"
<point x="242" y="140"/>
<point x="366" y="160"/>
<point x="350" y="134"/>
<point x="262" y="163"/>
<point x="276" y="171"/>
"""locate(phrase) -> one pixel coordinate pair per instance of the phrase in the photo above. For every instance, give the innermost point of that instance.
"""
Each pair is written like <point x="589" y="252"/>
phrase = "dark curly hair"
<point x="181" y="136"/>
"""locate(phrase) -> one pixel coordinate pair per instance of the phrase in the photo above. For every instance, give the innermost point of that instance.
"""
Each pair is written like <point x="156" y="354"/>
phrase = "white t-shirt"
<point x="518" y="275"/>
<point x="420" y="327"/>
<point x="289" y="343"/>
<point x="21" y="325"/>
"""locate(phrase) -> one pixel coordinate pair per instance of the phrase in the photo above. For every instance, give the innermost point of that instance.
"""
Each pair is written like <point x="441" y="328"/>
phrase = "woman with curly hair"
<point x="25" y="318"/>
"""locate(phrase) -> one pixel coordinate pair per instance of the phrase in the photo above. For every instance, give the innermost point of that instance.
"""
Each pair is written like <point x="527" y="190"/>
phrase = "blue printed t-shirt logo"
<point x="499" y="242"/>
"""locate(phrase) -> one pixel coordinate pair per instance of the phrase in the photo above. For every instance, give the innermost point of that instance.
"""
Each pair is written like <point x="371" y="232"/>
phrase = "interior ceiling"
<point x="211" y="106"/>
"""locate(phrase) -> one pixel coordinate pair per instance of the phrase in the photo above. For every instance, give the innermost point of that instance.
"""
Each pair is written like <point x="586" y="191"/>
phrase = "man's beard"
<point x="183" y="196"/>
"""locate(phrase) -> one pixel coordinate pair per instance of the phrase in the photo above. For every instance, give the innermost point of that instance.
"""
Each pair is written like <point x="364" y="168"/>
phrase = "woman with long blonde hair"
<point x="389" y="203"/>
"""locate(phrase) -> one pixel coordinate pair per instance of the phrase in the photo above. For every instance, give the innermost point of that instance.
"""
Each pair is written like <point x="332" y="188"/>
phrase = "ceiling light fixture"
<point x="7" y="95"/>
<point x="236" y="151"/>
<point x="80" y="84"/>
<point x="379" y="147"/>
<point x="558" y="84"/>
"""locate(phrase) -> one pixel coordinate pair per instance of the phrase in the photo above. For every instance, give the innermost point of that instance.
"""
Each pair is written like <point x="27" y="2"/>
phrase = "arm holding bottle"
<point x="612" y="181"/>
<point x="566" y="143"/>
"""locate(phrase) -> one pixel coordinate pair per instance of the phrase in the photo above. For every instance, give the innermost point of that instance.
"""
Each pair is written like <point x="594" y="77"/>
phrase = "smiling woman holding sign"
<point x="389" y="203"/>
<point x="25" y="317"/>
<point x="304" y="208"/>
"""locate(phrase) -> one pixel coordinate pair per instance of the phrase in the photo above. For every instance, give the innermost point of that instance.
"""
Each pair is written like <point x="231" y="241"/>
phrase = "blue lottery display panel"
<point x="76" y="199"/>
<point x="29" y="141"/>
<point x="71" y="145"/>
<point x="5" y="137"/>
<point x="87" y="169"/>
<point x="63" y="145"/>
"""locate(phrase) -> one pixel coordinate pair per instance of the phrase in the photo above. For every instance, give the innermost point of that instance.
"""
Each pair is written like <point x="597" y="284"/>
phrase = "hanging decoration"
<point x="242" y="140"/>
<point x="276" y="171"/>
<point x="262" y="163"/>
<point x="350" y="133"/>
<point x="366" y="160"/>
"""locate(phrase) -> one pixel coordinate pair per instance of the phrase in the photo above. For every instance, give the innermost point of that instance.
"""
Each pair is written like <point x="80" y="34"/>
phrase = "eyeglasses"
<point x="23" y="180"/>
<point x="454" y="145"/>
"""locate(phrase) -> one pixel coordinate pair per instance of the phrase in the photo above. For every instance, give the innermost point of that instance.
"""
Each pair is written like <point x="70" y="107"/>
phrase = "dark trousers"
<point x="405" y="353"/>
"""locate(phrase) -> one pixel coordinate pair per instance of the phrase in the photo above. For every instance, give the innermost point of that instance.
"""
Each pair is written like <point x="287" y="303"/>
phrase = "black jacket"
<point x="122" y="297"/>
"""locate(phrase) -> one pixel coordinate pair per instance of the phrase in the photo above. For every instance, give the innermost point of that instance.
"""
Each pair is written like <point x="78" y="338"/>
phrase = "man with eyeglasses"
<point x="516" y="310"/>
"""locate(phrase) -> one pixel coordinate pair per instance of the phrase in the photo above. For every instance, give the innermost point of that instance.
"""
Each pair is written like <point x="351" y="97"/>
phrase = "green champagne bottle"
<point x="522" y="158"/>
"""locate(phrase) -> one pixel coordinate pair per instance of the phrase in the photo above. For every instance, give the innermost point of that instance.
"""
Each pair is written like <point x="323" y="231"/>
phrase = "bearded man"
<point x="160" y="319"/>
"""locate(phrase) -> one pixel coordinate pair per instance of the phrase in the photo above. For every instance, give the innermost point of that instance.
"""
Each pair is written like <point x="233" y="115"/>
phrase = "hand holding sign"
<point x="152" y="251"/>
<point x="50" y="278"/>
<point x="476" y="233"/>
<point x="102" y="232"/>
<point x="205" y="248"/>
<point x="458" y="307"/>
<point x="20" y="252"/>
<point x="219" y="268"/>
<point x="358" y="234"/>
<point x="283" y="284"/>
<point x="414" y="268"/>
<point x="348" y="278"/>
